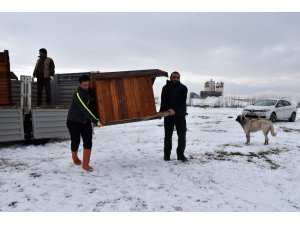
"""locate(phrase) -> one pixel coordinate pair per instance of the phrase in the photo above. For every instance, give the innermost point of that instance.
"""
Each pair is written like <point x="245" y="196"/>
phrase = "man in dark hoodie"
<point x="173" y="100"/>
<point x="80" y="117"/>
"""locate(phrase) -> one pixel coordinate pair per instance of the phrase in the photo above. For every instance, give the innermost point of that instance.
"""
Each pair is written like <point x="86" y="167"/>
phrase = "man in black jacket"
<point x="80" y="117"/>
<point x="173" y="100"/>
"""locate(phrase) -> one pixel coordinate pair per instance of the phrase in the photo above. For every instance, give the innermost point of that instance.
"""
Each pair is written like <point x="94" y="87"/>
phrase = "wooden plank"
<point x="151" y="102"/>
<point x="122" y="100"/>
<point x="115" y="100"/>
<point x="103" y="97"/>
<point x="155" y="116"/>
<point x="137" y="95"/>
<point x="146" y="96"/>
<point x="130" y="98"/>
<point x="4" y="57"/>
<point x="5" y="83"/>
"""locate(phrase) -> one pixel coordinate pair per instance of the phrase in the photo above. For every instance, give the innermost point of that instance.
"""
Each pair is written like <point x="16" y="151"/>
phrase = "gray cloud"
<point x="252" y="53"/>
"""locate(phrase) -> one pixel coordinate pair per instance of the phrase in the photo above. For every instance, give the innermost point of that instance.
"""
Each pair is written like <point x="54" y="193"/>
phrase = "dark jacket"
<point x="44" y="68"/>
<point x="82" y="108"/>
<point x="174" y="97"/>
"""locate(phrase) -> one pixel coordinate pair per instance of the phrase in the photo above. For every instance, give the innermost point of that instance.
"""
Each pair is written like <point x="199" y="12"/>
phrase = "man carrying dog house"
<point x="79" y="122"/>
<point x="173" y="100"/>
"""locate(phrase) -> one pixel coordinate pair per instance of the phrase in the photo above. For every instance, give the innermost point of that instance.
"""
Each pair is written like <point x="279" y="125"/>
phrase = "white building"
<point x="209" y="85"/>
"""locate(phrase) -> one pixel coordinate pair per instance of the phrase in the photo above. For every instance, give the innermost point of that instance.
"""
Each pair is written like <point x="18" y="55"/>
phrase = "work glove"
<point x="51" y="78"/>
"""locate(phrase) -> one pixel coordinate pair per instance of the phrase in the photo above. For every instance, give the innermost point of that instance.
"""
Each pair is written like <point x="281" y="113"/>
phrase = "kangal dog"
<point x="253" y="125"/>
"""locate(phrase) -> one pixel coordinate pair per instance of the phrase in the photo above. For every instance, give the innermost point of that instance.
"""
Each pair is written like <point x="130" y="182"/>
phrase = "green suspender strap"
<point x="78" y="96"/>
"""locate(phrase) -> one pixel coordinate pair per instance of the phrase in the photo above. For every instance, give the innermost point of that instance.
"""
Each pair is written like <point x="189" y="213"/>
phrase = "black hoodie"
<point x="81" y="109"/>
<point x="174" y="97"/>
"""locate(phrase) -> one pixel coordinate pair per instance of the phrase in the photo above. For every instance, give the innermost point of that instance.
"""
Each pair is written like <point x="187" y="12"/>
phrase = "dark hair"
<point x="43" y="50"/>
<point x="83" y="78"/>
<point x="175" y="73"/>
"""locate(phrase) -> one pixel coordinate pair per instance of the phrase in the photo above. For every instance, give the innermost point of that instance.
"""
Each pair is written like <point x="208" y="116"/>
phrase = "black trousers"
<point x="169" y="123"/>
<point x="43" y="82"/>
<point x="84" y="130"/>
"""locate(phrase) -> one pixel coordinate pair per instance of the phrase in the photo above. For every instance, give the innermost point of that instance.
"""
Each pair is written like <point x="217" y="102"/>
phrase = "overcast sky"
<point x="252" y="53"/>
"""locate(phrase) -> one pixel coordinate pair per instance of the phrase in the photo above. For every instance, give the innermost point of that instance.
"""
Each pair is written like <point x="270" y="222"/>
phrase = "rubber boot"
<point x="86" y="160"/>
<point x="75" y="158"/>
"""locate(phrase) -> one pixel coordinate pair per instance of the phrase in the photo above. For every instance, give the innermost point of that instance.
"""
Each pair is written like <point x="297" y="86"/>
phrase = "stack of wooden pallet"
<point x="5" y="83"/>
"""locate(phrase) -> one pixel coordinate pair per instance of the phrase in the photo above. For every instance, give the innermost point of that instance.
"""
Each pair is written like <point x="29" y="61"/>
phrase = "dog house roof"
<point x="132" y="73"/>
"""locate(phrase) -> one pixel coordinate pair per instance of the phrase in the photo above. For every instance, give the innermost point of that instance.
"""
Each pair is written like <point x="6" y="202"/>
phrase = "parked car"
<point x="272" y="109"/>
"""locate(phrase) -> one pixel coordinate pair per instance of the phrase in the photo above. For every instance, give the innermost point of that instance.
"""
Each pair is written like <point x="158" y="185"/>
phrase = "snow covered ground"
<point x="223" y="174"/>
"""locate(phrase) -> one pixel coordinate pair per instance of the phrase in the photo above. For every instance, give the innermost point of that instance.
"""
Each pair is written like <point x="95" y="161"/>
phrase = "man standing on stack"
<point x="44" y="72"/>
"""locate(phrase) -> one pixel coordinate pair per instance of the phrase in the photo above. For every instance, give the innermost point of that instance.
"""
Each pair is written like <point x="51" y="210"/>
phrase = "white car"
<point x="272" y="109"/>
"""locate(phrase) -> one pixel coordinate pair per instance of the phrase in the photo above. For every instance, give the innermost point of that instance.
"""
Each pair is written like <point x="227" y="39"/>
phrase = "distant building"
<point x="212" y="90"/>
<point x="220" y="87"/>
<point x="209" y="85"/>
<point x="194" y="95"/>
<point x="205" y="94"/>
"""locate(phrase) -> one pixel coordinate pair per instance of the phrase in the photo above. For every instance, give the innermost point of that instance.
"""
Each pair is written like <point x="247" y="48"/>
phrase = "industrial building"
<point x="211" y="89"/>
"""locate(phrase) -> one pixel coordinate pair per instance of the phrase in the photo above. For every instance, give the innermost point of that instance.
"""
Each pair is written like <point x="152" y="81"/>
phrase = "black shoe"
<point x="166" y="158"/>
<point x="182" y="159"/>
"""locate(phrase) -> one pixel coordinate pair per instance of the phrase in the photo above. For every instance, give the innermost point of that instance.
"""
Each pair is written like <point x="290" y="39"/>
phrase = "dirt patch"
<point x="204" y="117"/>
<point x="12" y="164"/>
<point x="263" y="155"/>
<point x="215" y="131"/>
<point x="35" y="175"/>
<point x="235" y="145"/>
<point x="13" y="204"/>
<point x="288" y="129"/>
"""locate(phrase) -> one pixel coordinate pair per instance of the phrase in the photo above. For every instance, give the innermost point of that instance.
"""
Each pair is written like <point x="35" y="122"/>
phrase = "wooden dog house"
<point x="125" y="96"/>
<point x="5" y="83"/>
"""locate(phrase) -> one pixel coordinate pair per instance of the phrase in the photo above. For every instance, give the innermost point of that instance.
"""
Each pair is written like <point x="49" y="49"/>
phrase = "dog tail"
<point x="273" y="132"/>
